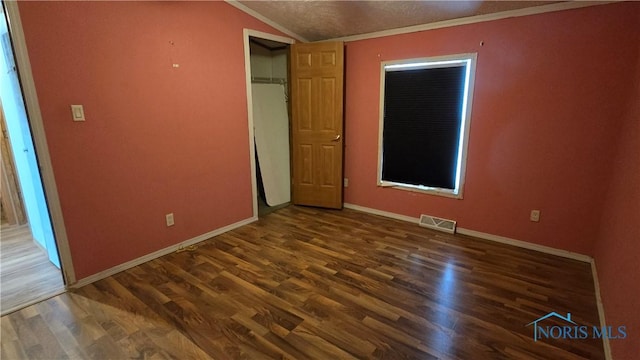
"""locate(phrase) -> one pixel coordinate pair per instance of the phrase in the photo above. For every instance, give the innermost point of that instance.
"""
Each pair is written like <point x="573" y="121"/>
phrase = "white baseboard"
<point x="526" y="245"/>
<point x="382" y="213"/>
<point x="156" y="254"/>
<point x="596" y="285"/>
<point x="481" y="235"/>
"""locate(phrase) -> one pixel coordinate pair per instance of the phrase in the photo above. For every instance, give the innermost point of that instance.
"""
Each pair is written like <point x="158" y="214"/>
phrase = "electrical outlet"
<point x="346" y="182"/>
<point x="169" y="218"/>
<point x="535" y="215"/>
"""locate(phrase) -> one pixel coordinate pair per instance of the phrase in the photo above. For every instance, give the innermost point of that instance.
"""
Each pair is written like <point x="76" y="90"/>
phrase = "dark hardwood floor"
<point x="304" y="283"/>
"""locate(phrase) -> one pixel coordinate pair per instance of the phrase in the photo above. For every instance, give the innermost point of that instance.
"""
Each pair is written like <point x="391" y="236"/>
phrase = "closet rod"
<point x="266" y="80"/>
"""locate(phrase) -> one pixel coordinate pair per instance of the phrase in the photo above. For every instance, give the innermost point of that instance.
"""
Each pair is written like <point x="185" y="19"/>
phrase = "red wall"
<point x="157" y="139"/>
<point x="547" y="106"/>
<point x="618" y="246"/>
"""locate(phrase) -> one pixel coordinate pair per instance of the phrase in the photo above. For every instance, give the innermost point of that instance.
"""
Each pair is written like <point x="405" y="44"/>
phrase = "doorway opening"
<point x="30" y="265"/>
<point x="269" y="120"/>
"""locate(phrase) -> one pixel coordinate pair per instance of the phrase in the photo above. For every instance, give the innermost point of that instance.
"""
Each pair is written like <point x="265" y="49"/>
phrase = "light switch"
<point x="77" y="112"/>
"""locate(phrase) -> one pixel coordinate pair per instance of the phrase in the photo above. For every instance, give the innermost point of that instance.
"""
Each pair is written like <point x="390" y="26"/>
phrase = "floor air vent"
<point x="432" y="222"/>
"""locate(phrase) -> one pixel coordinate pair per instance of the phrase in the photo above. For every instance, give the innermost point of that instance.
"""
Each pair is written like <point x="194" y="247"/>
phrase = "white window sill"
<point x="422" y="189"/>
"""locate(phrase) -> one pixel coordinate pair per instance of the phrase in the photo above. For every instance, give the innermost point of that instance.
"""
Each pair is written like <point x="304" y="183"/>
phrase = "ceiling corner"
<point x="252" y="13"/>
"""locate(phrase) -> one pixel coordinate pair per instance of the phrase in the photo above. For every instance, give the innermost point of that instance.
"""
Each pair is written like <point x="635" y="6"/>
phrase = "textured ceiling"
<point x="323" y="19"/>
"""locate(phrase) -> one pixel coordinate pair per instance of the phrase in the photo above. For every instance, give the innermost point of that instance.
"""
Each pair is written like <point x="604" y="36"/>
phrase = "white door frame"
<point x="247" y="68"/>
<point x="39" y="140"/>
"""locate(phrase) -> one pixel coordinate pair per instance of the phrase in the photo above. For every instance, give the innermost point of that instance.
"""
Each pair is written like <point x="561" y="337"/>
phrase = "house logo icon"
<point x="571" y="330"/>
<point x="549" y="315"/>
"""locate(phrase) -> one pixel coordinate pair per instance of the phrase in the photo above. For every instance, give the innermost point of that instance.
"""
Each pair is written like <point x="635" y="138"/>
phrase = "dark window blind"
<point x="421" y="130"/>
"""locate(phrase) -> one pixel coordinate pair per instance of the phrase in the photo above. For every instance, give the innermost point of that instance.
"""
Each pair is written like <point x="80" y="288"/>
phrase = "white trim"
<point x="268" y="36"/>
<point x="383" y="83"/>
<point x="475" y="19"/>
<point x="419" y="189"/>
<point x="246" y="33"/>
<point x="40" y="140"/>
<point x="250" y="126"/>
<point x="468" y="60"/>
<point x="382" y="213"/>
<point x="481" y="235"/>
<point x="596" y="285"/>
<point x="156" y="254"/>
<point x="526" y="245"/>
<point x="265" y="20"/>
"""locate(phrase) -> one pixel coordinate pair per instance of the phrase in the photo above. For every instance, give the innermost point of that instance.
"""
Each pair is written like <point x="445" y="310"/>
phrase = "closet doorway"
<point x="269" y="120"/>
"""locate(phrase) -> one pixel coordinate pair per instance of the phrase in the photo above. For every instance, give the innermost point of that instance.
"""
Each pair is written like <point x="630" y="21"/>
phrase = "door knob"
<point x="337" y="138"/>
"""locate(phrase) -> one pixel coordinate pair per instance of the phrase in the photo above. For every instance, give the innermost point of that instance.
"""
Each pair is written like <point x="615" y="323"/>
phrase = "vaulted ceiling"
<point x="315" y="20"/>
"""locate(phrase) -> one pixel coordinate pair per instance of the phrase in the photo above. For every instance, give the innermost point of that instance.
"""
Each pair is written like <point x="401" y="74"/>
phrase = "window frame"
<point x="463" y="141"/>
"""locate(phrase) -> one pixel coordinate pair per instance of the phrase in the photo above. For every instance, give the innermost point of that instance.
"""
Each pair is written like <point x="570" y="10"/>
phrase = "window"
<point x="424" y="123"/>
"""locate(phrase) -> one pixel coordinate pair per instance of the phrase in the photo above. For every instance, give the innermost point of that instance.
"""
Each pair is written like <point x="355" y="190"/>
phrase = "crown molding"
<point x="476" y="19"/>
<point x="265" y="20"/>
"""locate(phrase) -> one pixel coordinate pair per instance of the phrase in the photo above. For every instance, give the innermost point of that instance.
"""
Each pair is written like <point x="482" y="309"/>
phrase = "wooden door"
<point x="317" y="85"/>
